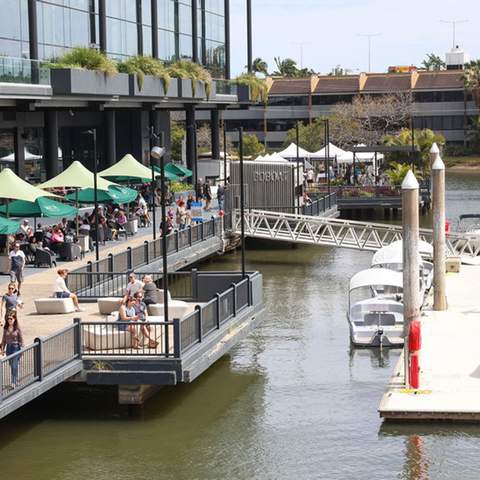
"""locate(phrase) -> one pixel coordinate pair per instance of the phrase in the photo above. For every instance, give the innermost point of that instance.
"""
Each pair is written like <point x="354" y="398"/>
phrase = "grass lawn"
<point x="469" y="161"/>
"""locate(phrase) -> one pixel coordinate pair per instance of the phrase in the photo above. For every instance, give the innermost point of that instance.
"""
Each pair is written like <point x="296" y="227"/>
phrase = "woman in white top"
<point x="60" y="289"/>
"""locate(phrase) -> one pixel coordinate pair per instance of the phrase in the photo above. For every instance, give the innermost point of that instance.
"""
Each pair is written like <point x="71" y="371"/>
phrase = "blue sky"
<point x="328" y="28"/>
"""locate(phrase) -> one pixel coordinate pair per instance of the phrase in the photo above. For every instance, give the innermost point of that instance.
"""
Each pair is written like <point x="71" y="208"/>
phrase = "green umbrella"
<point x="41" y="207"/>
<point x="115" y="194"/>
<point x="8" y="227"/>
<point x="128" y="170"/>
<point x="178" y="170"/>
<point x="168" y="175"/>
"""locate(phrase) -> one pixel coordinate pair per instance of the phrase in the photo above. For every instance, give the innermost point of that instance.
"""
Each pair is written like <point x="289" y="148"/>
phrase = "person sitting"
<point x="26" y="229"/>
<point x="60" y="289"/>
<point x="126" y="316"/>
<point x="121" y="220"/>
<point x="133" y="286"/>
<point x="150" y="291"/>
<point x="142" y="314"/>
<point x="56" y="239"/>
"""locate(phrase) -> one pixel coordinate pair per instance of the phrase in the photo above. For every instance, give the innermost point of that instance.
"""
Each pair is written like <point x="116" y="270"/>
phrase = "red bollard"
<point x="414" y="346"/>
<point x="447" y="226"/>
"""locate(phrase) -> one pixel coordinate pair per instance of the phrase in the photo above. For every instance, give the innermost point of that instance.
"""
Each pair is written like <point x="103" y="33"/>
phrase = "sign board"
<point x="197" y="214"/>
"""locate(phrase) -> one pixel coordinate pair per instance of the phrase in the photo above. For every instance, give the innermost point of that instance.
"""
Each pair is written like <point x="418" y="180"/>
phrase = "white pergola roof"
<point x="377" y="276"/>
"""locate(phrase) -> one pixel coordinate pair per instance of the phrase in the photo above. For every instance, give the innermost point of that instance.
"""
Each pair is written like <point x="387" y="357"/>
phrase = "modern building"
<point x="47" y="117"/>
<point x="440" y="102"/>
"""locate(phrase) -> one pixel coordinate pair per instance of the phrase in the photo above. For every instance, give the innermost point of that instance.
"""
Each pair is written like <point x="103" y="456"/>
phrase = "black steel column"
<point x="204" y="33"/>
<point x="154" y="29"/>
<point x="190" y="138"/>
<point x="249" y="36"/>
<point x="227" y="39"/>
<point x="327" y="128"/>
<point x="194" y="31"/>
<point x="215" y="132"/>
<point x="102" y="23"/>
<point x="95" y="193"/>
<point x="110" y="138"/>
<point x="33" y="37"/>
<point x="297" y="181"/>
<point x="224" y="148"/>
<point x="242" y="199"/>
<point x="139" y="28"/>
<point x="19" y="150"/>
<point x="164" y="242"/>
<point x="51" y="143"/>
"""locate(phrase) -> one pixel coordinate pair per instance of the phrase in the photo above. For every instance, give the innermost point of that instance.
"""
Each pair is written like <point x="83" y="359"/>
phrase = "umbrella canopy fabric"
<point x="128" y="169"/>
<point x="291" y="152"/>
<point x="116" y="194"/>
<point x="178" y="170"/>
<point x="168" y="175"/>
<point x="42" y="207"/>
<point x="76" y="176"/>
<point x="8" y="227"/>
<point x="14" y="188"/>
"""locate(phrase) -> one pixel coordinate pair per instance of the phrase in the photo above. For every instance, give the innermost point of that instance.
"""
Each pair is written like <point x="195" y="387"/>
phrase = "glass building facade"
<point x="63" y="24"/>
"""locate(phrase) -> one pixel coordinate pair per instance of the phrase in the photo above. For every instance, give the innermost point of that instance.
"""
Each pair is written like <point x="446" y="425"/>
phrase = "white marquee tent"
<point x="291" y="152"/>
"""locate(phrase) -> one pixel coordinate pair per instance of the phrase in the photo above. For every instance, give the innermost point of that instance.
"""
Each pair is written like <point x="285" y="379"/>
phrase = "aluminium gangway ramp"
<point x="334" y="232"/>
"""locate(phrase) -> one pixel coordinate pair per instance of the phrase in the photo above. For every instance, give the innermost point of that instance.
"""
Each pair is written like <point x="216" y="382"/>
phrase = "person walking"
<point x="60" y="289"/>
<point x="17" y="264"/>
<point x="207" y="193"/>
<point x="12" y="342"/>
<point x="10" y="301"/>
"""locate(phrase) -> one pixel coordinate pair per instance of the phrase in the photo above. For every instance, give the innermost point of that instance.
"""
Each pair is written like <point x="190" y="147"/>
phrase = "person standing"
<point x="17" y="264"/>
<point x="220" y="196"/>
<point x="181" y="215"/>
<point x="12" y="342"/>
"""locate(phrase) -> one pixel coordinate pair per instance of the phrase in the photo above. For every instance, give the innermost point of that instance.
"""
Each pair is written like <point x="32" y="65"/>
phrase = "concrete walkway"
<point x="449" y="360"/>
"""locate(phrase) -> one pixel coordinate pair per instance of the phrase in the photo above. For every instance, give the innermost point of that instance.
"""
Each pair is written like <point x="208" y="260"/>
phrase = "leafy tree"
<point x="251" y="146"/>
<point x="474" y="134"/>
<point x="471" y="79"/>
<point x="396" y="173"/>
<point x="433" y="62"/>
<point x="424" y="139"/>
<point x="310" y="136"/>
<point x="339" y="71"/>
<point x="177" y="135"/>
<point x="260" y="66"/>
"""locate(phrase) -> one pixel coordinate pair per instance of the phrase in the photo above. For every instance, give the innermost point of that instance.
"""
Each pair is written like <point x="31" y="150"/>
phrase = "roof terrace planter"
<point x="186" y="91"/>
<point x="75" y="81"/>
<point x="243" y="93"/>
<point x="152" y="86"/>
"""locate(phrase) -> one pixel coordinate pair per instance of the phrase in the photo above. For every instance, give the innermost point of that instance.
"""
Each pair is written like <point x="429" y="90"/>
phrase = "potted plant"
<point x="86" y="71"/>
<point x="148" y="77"/>
<point x="251" y="88"/>
<point x="194" y="80"/>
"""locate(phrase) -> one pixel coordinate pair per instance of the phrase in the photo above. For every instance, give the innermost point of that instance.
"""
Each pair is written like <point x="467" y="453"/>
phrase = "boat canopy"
<point x="424" y="248"/>
<point x="377" y="276"/>
<point x="391" y="254"/>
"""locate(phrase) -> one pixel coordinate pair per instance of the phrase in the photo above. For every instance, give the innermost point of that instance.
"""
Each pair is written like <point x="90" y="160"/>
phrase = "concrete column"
<point x="411" y="277"/>
<point x="439" y="267"/>
<point x="51" y="143"/>
<point x="110" y="138"/>
<point x="215" y="132"/>
<point x="102" y="24"/>
<point x="190" y="137"/>
<point x="19" y="150"/>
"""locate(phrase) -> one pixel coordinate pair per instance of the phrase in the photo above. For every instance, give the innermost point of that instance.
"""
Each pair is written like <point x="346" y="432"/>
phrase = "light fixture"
<point x="157" y="152"/>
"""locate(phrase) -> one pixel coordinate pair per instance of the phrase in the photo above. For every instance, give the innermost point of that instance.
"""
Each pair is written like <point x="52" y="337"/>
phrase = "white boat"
<point x="469" y="225"/>
<point x="375" y="308"/>
<point x="391" y="257"/>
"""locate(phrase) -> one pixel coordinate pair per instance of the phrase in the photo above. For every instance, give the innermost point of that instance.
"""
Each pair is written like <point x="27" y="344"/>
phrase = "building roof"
<point x="290" y="86"/>
<point x="344" y="84"/>
<point x="394" y="82"/>
<point x="438" y="80"/>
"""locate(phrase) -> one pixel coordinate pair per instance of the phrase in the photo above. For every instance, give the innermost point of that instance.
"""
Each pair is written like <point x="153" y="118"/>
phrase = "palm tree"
<point x="260" y="66"/>
<point x="471" y="79"/>
<point x="433" y="62"/>
<point x="286" y="68"/>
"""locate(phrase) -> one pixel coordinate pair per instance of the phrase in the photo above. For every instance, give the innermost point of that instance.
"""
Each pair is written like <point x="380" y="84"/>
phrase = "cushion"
<point x="108" y="305"/>
<point x="54" y="305"/>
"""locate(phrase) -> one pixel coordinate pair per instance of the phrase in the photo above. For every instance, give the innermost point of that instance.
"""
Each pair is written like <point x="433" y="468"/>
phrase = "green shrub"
<point x="190" y="70"/>
<point x="141" y="66"/>
<point x="87" y="59"/>
<point x="177" y="187"/>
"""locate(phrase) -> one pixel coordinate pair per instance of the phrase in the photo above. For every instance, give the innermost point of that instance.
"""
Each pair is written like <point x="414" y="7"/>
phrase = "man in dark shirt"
<point x="150" y="291"/>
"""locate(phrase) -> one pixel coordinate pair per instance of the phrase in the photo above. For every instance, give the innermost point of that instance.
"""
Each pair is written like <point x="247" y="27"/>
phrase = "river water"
<point x="291" y="401"/>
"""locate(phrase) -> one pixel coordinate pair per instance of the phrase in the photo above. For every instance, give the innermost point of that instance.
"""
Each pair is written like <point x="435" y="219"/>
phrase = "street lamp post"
<point x="242" y="199"/>
<point x="158" y="154"/>
<point x="297" y="181"/>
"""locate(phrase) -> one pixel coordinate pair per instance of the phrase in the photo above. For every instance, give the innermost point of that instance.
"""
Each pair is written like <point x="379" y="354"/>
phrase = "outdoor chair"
<point x="44" y="257"/>
<point x="69" y="251"/>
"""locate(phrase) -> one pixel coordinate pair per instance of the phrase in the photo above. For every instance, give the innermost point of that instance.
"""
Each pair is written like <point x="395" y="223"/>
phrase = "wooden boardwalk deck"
<point x="449" y="360"/>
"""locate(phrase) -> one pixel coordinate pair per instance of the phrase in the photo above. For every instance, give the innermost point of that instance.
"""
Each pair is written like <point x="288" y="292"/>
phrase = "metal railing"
<point x="21" y="70"/>
<point x="225" y="87"/>
<point x="142" y="255"/>
<point x="39" y="360"/>
<point x="167" y="339"/>
<point x="367" y="191"/>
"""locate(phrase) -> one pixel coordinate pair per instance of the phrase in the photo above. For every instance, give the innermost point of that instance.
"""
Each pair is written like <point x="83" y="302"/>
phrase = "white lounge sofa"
<point x="54" y="305"/>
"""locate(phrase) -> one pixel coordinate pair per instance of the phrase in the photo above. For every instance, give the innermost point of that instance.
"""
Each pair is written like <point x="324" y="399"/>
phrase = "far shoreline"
<point x="463" y="168"/>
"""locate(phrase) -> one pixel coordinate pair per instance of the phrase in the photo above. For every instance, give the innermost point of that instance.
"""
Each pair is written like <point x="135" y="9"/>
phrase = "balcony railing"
<point x="225" y="87"/>
<point x="21" y="70"/>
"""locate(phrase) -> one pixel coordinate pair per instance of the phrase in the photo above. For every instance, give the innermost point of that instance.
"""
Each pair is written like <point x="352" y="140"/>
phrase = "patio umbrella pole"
<point x="76" y="216"/>
<point x="95" y="193"/>
<point x="164" y="241"/>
